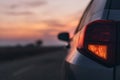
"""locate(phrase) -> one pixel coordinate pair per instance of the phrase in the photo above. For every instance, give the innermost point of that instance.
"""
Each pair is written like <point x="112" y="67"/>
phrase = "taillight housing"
<point x="98" y="42"/>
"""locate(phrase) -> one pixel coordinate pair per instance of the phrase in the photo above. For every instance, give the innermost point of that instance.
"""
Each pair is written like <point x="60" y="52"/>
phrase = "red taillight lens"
<point x="99" y="41"/>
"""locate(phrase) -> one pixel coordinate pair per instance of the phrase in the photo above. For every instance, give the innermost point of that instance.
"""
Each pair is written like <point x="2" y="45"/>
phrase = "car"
<point x="94" y="49"/>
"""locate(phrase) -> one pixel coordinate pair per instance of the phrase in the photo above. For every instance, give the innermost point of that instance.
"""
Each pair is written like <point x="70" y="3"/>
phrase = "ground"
<point x="43" y="66"/>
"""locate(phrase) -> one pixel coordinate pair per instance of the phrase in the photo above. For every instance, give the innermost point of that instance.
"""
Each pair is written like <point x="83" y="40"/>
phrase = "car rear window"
<point x="112" y="10"/>
<point x="113" y="4"/>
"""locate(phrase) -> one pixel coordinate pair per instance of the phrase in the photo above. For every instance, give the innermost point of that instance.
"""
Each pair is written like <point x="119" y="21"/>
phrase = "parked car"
<point x="94" y="50"/>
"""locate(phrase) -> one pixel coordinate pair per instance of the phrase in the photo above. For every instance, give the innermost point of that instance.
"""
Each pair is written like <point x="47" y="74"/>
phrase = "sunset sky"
<point x="25" y="21"/>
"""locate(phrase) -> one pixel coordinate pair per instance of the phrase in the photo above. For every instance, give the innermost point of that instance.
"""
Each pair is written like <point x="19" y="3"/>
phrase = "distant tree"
<point x="39" y="43"/>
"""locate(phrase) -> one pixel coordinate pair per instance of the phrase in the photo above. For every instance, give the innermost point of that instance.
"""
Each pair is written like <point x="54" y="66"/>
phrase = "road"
<point x="39" y="67"/>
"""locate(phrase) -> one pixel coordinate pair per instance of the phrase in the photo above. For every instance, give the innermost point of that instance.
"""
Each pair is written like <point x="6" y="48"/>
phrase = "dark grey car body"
<point x="78" y="66"/>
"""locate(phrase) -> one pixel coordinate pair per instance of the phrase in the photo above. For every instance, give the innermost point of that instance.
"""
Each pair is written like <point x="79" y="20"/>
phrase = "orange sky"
<point x="25" y="21"/>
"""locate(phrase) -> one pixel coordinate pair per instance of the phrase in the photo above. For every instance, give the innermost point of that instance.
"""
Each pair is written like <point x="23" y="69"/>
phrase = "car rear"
<point x="79" y="67"/>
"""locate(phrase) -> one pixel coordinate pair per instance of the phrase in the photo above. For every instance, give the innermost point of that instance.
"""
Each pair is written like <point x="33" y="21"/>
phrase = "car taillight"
<point x="99" y="41"/>
<point x="98" y="50"/>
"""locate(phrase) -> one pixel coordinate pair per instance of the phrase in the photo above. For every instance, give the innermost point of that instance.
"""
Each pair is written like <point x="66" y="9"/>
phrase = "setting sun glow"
<point x="24" y="21"/>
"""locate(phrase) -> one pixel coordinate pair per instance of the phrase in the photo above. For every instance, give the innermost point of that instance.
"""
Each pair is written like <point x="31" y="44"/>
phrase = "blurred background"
<point x="29" y="48"/>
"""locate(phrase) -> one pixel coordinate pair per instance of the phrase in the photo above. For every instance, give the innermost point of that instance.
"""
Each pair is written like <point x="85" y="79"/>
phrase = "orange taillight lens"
<point x="98" y="50"/>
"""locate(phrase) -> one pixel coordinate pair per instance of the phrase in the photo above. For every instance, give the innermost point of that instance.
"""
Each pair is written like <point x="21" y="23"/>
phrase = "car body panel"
<point x="85" y="69"/>
<point x="79" y="67"/>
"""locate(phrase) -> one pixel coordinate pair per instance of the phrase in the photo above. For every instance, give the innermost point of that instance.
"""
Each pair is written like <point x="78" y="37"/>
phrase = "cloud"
<point x="54" y="23"/>
<point x="14" y="13"/>
<point x="35" y="3"/>
<point x="28" y="4"/>
<point x="13" y="6"/>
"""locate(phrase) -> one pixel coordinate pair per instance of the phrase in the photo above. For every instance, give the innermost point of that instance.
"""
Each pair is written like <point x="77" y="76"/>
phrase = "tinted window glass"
<point x="113" y="4"/>
<point x="112" y="10"/>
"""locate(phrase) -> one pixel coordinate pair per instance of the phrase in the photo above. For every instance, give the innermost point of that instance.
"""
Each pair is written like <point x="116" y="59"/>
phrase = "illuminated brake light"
<point x="98" y="50"/>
